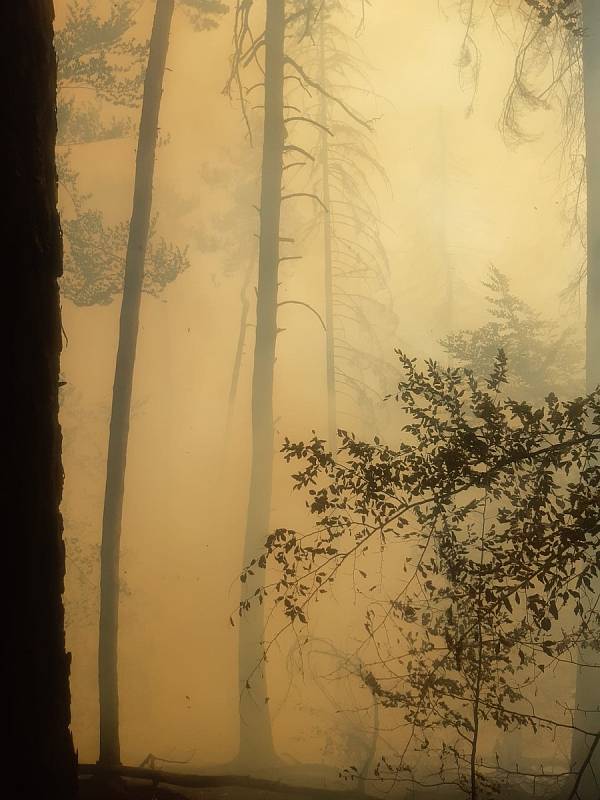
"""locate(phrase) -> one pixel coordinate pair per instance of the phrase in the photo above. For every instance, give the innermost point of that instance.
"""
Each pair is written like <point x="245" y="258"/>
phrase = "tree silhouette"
<point x="359" y="318"/>
<point x="138" y="233"/>
<point x="286" y="26"/>
<point x="493" y="503"/>
<point x="36" y="696"/>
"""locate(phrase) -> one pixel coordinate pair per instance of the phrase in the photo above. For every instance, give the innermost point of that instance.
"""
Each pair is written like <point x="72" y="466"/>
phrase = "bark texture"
<point x="123" y="384"/>
<point x="256" y="741"/>
<point x="36" y="697"/>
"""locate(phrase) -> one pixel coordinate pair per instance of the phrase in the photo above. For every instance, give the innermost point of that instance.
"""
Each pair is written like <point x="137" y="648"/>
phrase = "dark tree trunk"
<point x="327" y="253"/>
<point x="588" y="684"/>
<point x="256" y="741"/>
<point x="38" y="750"/>
<point x="122" y="389"/>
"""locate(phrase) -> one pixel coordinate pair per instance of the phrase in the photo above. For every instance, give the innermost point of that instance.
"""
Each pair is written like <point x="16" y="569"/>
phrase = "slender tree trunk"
<point x="239" y="350"/>
<point x="256" y="741"/>
<point x="38" y="751"/>
<point x="327" y="252"/>
<point x="122" y="388"/>
<point x="587" y="694"/>
<point x="440" y="216"/>
<point x="591" y="76"/>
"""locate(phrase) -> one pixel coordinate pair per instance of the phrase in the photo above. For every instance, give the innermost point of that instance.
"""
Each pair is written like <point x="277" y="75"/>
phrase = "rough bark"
<point x="588" y="687"/>
<point x="327" y="252"/>
<point x="123" y="384"/>
<point x="36" y="697"/>
<point x="256" y="741"/>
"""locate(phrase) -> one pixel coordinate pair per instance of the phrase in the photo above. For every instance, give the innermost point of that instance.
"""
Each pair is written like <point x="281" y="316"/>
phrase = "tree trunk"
<point x="36" y="699"/>
<point x="441" y="239"/>
<point x="588" y="686"/>
<point x="327" y="252"/>
<point x="591" y="76"/>
<point x="256" y="741"/>
<point x="239" y="350"/>
<point x="122" y="388"/>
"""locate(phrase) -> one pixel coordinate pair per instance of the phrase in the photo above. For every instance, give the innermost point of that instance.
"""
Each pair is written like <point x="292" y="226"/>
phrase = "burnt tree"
<point x="36" y="683"/>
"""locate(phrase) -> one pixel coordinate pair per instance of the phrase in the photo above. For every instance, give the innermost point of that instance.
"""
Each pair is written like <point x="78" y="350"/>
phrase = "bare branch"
<point x="320" y="88"/>
<point x="310" y="121"/>
<point x="306" y="305"/>
<point x="306" y="194"/>
<point x="294" y="147"/>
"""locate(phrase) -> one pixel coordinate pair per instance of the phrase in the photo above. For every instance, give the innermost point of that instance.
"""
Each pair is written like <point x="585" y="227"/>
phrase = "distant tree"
<point x="286" y="24"/>
<point x="101" y="71"/>
<point x="564" y="35"/>
<point x="358" y="305"/>
<point x="121" y="401"/>
<point x="137" y="247"/>
<point x="35" y="686"/>
<point x="494" y="505"/>
<point x="541" y="358"/>
<point x="256" y="738"/>
<point x="233" y="235"/>
<point x="100" y="57"/>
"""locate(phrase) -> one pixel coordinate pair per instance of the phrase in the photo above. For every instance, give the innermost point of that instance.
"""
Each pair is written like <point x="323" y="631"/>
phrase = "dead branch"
<point x="213" y="781"/>
<point x="252" y="52"/>
<point x="306" y="305"/>
<point x="296" y="149"/>
<point x="306" y="194"/>
<point x="310" y="121"/>
<point x="306" y="79"/>
<point x="294" y="164"/>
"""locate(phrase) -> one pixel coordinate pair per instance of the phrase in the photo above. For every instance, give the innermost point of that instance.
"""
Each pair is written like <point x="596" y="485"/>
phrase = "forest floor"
<point x="90" y="789"/>
<point x="138" y="790"/>
<point x="143" y="790"/>
<point x="143" y="783"/>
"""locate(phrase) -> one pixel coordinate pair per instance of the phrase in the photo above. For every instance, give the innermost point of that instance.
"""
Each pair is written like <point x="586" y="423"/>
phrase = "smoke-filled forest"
<point x="303" y="482"/>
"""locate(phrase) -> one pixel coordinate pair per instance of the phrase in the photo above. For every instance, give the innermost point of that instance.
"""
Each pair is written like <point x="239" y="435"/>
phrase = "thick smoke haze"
<point x="457" y="199"/>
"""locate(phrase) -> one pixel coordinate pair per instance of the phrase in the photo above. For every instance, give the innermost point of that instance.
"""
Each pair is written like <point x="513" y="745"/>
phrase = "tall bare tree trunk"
<point x="591" y="76"/>
<point x="256" y="740"/>
<point x="440" y="213"/>
<point x="38" y="750"/>
<point x="239" y="350"/>
<point x="327" y="251"/>
<point x="588" y="682"/>
<point x="122" y="388"/>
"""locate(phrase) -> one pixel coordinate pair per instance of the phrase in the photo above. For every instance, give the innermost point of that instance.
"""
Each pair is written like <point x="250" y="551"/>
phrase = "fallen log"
<point x="192" y="781"/>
